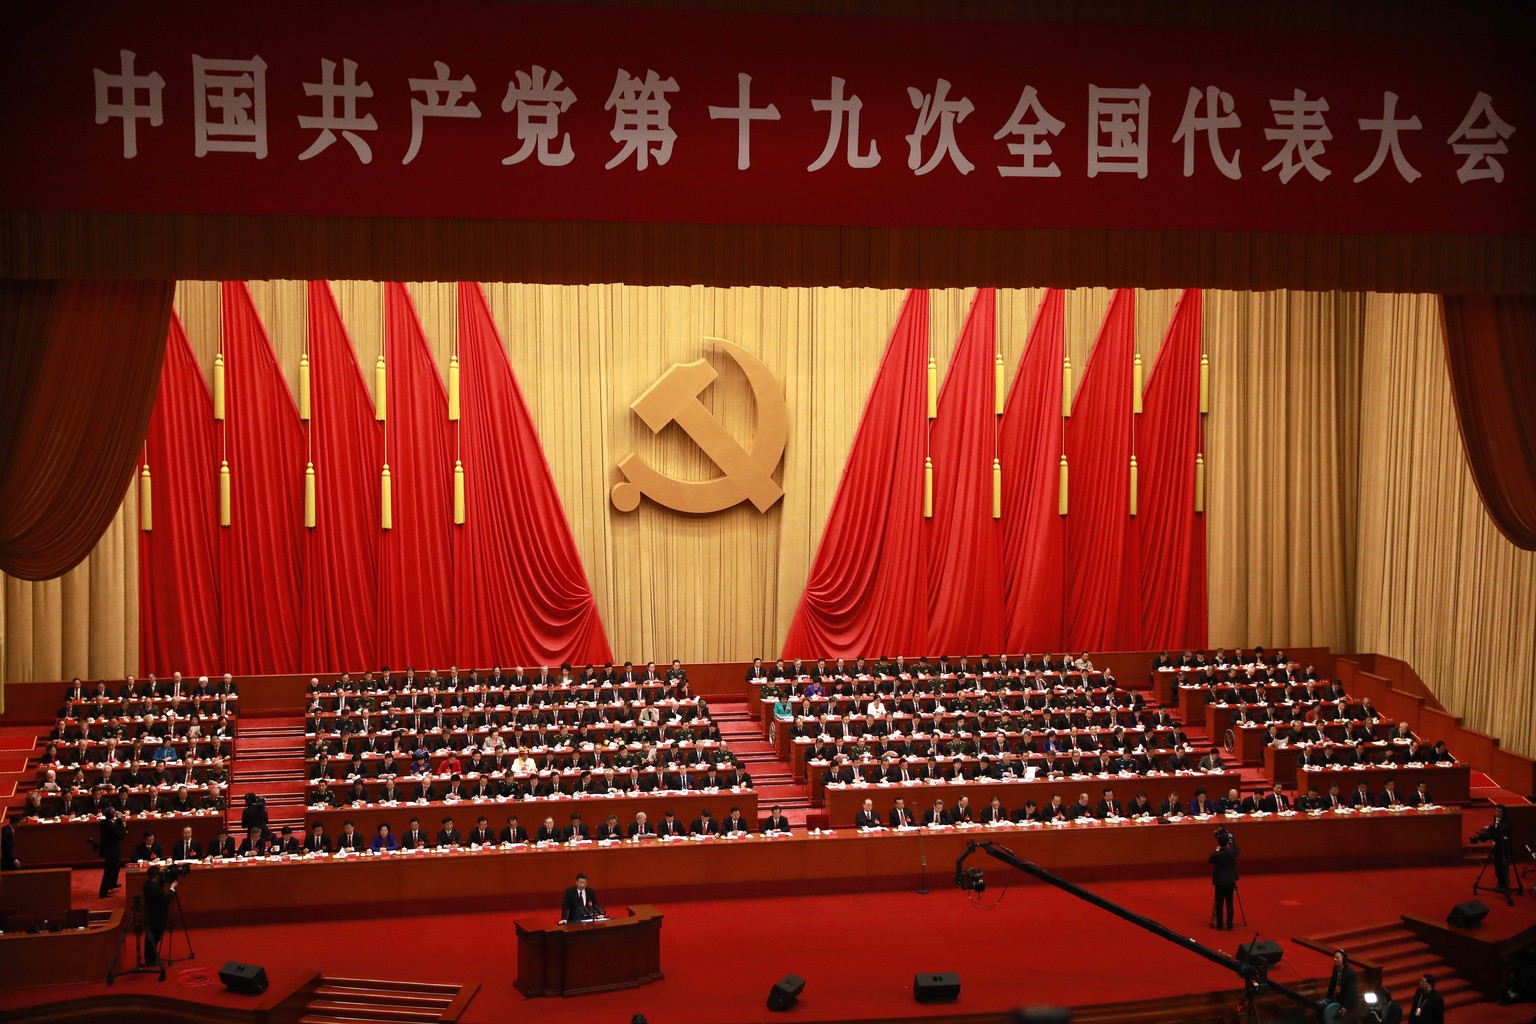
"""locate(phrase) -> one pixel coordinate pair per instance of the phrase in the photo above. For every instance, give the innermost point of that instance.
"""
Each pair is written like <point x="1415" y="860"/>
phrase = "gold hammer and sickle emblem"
<point x="748" y="471"/>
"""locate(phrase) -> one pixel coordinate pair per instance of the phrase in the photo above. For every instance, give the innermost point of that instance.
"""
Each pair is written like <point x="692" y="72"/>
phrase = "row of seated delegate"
<point x="475" y="689"/>
<point x="491" y="739"/>
<point x="577" y="714"/>
<point x="74" y="804"/>
<point x="1109" y="807"/>
<point x="508" y="786"/>
<point x="99" y="754"/>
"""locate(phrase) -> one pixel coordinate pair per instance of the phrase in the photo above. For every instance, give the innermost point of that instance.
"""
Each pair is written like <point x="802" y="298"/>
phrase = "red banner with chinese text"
<point x="490" y="110"/>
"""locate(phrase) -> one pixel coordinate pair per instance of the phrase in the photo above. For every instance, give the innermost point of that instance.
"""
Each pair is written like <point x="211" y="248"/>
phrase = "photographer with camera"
<point x="1223" y="863"/>
<point x="1499" y="834"/>
<point x="159" y="893"/>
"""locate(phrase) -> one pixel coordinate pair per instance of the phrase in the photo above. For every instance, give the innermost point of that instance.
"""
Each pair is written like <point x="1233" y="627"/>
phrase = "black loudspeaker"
<point x="785" y="992"/>
<point x="250" y="979"/>
<point x="1266" y="952"/>
<point x="1466" y="915"/>
<point x="936" y="988"/>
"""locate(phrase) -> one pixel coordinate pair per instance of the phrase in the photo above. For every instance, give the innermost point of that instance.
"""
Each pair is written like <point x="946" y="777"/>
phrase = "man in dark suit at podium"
<point x="580" y="902"/>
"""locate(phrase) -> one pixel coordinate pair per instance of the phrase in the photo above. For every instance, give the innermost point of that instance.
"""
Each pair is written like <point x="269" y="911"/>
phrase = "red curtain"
<point x="867" y="593"/>
<point x="1490" y="349"/>
<point x="965" y="578"/>
<point x="521" y="595"/>
<point x="259" y="552"/>
<point x="1030" y="444"/>
<point x="416" y="556"/>
<point x="179" y="622"/>
<point x="1173" y="610"/>
<point x="1103" y="579"/>
<point x="339" y="613"/>
<point x="79" y="361"/>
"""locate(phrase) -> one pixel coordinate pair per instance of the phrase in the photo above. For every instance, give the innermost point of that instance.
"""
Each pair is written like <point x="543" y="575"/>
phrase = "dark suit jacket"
<point x="635" y="829"/>
<point x="779" y="824"/>
<point x="317" y="844"/>
<point x="572" y="908"/>
<point x="421" y="840"/>
<point x="354" y="843"/>
<point x="704" y="826"/>
<point x="514" y="834"/>
<point x="1343" y="986"/>
<point x="1224" y="865"/>
<point x="1427" y="1008"/>
<point x="866" y="820"/>
<point x="187" y="849"/>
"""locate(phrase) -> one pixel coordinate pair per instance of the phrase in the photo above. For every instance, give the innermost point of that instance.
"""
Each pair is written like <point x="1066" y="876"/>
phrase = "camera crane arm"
<point x="1252" y="974"/>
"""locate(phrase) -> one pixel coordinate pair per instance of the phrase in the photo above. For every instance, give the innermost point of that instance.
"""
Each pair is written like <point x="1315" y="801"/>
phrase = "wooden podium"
<point x="599" y="956"/>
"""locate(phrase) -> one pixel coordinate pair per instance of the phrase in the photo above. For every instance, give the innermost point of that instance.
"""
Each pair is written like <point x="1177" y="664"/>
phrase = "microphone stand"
<point x="922" y="883"/>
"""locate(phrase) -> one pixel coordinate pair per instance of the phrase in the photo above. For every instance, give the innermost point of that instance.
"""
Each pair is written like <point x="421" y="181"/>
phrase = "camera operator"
<point x="1223" y="863"/>
<point x="1498" y="833"/>
<point x="159" y="893"/>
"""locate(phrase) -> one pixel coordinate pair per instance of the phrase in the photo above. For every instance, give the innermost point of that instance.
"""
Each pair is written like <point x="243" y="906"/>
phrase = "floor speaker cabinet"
<point x="250" y="979"/>
<point x="1466" y="915"/>
<point x="785" y="992"/>
<point x="936" y="988"/>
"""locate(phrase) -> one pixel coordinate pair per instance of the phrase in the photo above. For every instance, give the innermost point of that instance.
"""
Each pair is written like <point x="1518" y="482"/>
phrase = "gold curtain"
<point x="1281" y="451"/>
<point x="1439" y="586"/>
<point x="1330" y="438"/>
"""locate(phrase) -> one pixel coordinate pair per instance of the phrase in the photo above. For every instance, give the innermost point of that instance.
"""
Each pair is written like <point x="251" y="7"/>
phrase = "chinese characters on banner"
<point x="559" y="113"/>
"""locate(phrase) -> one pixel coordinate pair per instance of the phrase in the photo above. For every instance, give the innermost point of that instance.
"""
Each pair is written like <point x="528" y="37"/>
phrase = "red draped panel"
<point x="259" y="552"/>
<point x="868" y="588"/>
<point x="521" y="595"/>
<point x="1173" y="611"/>
<point x="339" y="613"/>
<point x="1490" y="349"/>
<point x="78" y="366"/>
<point x="416" y="557"/>
<point x="1029" y="442"/>
<point x="1103" y="579"/>
<point x="179" y="624"/>
<point x="965" y="579"/>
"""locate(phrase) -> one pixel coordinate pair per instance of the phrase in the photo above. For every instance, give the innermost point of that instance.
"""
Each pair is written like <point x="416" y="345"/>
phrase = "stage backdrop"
<point x="1290" y="464"/>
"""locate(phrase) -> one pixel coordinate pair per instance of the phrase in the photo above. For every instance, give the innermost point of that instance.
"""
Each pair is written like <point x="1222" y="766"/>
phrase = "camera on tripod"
<point x="1486" y="834"/>
<point x="169" y="873"/>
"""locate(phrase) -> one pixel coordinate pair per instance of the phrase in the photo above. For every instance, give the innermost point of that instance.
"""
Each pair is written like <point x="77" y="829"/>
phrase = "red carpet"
<point x="858" y="953"/>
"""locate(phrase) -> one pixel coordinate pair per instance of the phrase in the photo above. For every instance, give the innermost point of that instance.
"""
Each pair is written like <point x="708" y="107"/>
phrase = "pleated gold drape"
<point x="1319" y="455"/>
<point x="1439" y="587"/>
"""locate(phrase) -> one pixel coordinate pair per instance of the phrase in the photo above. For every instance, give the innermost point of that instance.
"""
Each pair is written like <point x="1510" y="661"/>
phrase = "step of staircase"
<point x="353" y="1001"/>
<point x="1403" y="957"/>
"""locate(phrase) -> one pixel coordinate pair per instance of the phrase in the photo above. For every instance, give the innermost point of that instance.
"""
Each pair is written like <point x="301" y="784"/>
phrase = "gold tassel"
<point x="1136" y="385"/>
<point x="933" y="389"/>
<point x="1205" y="383"/>
<point x="1200" y="483"/>
<point x="1066" y="388"/>
<point x="386" y="513"/>
<point x="218" y="386"/>
<point x="453" y="388"/>
<point x="1061" y="489"/>
<point x="380" y="397"/>
<point x="309" y="495"/>
<point x="1133" y="485"/>
<point x="997" y="385"/>
<point x="146" y="504"/>
<point x="927" y="488"/>
<point x="304" y="386"/>
<point x="997" y="489"/>
<point x="224" y="493"/>
<point x="458" y="494"/>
